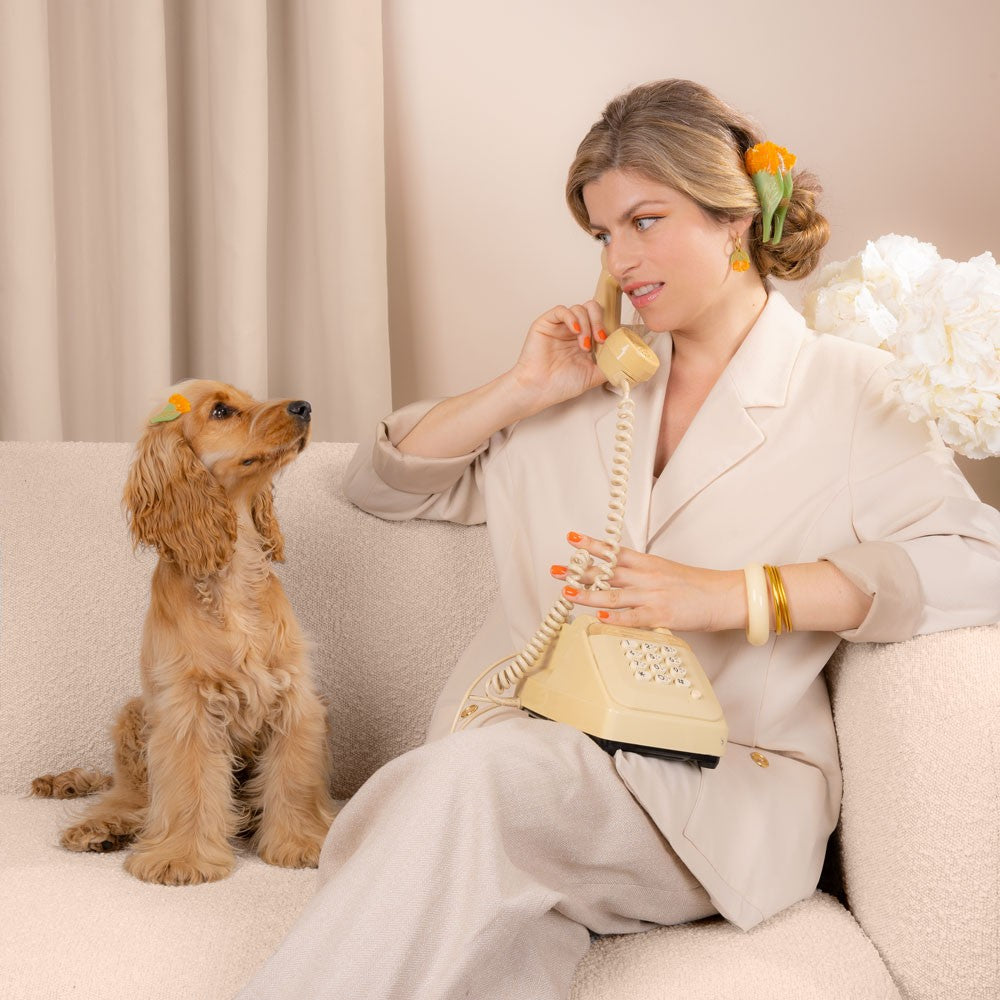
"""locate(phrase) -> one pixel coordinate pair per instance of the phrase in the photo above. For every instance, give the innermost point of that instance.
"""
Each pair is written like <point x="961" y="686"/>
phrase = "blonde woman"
<point x="478" y="864"/>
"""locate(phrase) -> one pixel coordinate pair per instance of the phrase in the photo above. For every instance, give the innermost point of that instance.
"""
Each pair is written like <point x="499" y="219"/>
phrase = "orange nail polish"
<point x="576" y="326"/>
<point x="604" y="615"/>
<point x="572" y="536"/>
<point x="557" y="570"/>
<point x="570" y="591"/>
<point x="602" y="336"/>
<point x="587" y="342"/>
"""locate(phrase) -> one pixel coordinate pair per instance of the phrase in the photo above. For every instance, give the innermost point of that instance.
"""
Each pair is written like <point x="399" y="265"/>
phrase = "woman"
<point x="477" y="864"/>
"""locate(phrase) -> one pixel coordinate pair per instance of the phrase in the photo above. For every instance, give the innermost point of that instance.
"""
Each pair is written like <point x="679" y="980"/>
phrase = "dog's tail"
<point x="72" y="784"/>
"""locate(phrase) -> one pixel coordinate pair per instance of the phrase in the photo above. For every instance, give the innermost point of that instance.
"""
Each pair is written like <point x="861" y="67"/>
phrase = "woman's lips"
<point x="642" y="295"/>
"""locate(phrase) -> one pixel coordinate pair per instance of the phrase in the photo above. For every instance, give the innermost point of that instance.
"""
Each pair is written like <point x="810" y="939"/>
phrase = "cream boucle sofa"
<point x="389" y="607"/>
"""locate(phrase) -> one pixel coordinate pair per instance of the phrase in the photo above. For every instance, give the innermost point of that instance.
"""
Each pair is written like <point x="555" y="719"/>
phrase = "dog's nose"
<point x="301" y="409"/>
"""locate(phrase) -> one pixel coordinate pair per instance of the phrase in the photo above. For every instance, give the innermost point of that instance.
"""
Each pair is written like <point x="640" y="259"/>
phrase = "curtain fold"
<point x="190" y="188"/>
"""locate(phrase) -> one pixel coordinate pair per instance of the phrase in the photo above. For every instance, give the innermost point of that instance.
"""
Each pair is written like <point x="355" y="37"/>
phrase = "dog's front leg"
<point x="191" y="815"/>
<point x="291" y="784"/>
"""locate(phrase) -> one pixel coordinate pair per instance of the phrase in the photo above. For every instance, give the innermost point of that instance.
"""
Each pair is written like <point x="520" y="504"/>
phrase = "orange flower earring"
<point x="739" y="259"/>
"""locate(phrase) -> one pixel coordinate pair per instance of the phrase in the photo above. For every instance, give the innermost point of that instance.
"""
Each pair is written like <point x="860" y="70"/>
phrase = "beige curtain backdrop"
<point x="190" y="188"/>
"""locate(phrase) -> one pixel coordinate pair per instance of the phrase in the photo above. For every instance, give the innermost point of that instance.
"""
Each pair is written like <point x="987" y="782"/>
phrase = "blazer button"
<point x="759" y="759"/>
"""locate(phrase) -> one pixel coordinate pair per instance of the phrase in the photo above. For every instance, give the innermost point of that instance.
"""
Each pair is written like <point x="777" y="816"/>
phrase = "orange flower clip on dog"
<point x="176" y="405"/>
<point x="770" y="169"/>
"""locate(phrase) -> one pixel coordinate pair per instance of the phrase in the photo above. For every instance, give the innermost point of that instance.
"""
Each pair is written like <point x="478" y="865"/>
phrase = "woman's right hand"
<point x="556" y="363"/>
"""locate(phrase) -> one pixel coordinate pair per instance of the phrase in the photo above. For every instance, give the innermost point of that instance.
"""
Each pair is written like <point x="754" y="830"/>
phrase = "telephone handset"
<point x="632" y="689"/>
<point x="624" y="356"/>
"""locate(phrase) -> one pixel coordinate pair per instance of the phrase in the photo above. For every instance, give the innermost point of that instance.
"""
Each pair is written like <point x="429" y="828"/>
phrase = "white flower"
<point x="941" y="321"/>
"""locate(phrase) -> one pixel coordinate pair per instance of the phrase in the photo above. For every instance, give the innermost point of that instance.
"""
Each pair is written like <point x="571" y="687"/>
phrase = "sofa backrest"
<point x="388" y="605"/>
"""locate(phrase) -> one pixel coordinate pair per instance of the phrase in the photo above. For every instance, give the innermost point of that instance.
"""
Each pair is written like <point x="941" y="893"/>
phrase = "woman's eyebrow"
<point x="630" y="212"/>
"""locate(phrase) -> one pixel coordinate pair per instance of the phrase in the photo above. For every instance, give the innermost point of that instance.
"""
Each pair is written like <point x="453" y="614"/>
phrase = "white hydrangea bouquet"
<point x="940" y="320"/>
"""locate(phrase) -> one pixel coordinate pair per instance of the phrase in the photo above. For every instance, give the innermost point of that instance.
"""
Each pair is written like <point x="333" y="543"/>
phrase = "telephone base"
<point x="612" y="746"/>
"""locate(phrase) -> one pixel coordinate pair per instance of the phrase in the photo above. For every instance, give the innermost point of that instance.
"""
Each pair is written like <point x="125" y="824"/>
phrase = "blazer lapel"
<point x="724" y="431"/>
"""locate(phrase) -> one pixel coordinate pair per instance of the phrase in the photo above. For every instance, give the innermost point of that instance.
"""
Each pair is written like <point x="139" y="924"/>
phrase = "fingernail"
<point x="587" y="342"/>
<point x="570" y="591"/>
<point x="602" y="336"/>
<point x="557" y="570"/>
<point x="572" y="536"/>
<point x="604" y="615"/>
<point x="576" y="327"/>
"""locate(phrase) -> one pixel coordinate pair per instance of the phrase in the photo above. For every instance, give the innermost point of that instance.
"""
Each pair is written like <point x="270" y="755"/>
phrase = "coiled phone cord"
<point x="505" y="678"/>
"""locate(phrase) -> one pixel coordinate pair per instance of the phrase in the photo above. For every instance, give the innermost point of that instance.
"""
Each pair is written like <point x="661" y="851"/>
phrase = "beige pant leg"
<point x="474" y="867"/>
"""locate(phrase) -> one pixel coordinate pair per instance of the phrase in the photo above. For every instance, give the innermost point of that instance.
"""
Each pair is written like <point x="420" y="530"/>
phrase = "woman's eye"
<point x="602" y="238"/>
<point x="220" y="411"/>
<point x="645" y="222"/>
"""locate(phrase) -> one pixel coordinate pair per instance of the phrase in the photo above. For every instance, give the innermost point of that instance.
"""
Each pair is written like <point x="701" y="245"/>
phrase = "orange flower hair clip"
<point x="176" y="405"/>
<point x="770" y="168"/>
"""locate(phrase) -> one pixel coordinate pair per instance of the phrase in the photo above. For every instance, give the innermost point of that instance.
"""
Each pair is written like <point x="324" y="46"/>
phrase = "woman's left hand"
<point x="651" y="592"/>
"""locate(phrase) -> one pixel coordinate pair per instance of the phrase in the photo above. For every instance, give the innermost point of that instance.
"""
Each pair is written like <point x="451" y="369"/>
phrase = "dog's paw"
<point x="70" y="784"/>
<point x="176" y="871"/>
<point x="95" y="836"/>
<point x="293" y="852"/>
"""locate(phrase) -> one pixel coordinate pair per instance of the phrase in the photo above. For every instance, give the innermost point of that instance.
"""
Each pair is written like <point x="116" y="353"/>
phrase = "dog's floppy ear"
<point x="176" y="506"/>
<point x="265" y="521"/>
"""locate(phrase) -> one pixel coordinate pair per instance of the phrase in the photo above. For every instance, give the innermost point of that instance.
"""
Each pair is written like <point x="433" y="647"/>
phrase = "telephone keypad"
<point x="657" y="662"/>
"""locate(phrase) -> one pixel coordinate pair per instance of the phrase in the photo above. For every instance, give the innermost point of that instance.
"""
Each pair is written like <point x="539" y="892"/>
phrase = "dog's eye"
<point x="220" y="411"/>
<point x="249" y="461"/>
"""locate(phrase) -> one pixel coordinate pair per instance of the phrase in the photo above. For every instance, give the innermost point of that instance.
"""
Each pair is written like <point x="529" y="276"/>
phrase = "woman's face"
<point x="669" y="257"/>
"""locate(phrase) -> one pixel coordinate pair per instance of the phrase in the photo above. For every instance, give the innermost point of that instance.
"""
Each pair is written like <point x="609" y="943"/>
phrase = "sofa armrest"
<point x="918" y="725"/>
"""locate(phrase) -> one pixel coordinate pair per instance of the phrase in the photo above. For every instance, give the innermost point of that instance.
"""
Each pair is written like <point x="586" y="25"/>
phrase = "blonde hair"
<point x="678" y="133"/>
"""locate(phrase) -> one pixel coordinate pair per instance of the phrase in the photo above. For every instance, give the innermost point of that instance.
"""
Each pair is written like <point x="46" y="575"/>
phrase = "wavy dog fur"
<point x="229" y="737"/>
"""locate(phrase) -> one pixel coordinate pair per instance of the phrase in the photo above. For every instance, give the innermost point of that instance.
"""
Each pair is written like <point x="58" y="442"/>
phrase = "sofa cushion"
<point x="78" y="925"/>
<point x="811" y="950"/>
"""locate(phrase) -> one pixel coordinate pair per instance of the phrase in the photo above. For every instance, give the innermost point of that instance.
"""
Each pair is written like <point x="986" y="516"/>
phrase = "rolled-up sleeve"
<point x="928" y="550"/>
<point x="397" y="486"/>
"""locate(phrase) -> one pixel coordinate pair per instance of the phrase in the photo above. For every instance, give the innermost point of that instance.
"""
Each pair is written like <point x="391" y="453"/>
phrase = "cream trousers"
<point x="475" y="866"/>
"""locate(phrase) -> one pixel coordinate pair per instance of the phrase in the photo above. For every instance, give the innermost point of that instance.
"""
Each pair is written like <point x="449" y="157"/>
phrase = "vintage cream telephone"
<point x="631" y="689"/>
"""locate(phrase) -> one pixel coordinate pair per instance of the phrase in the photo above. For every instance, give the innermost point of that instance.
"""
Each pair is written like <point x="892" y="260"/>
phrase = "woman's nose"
<point x="619" y="259"/>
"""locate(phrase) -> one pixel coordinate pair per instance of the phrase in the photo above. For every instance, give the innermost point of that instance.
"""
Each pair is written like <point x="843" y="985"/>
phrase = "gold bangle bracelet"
<point x="782" y="616"/>
<point x="758" y="621"/>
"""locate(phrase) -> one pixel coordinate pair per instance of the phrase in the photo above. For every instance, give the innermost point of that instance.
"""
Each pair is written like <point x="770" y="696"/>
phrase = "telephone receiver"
<point x="624" y="356"/>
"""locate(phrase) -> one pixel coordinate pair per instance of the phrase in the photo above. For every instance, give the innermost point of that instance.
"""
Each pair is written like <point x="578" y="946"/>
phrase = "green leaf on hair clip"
<point x="770" y="168"/>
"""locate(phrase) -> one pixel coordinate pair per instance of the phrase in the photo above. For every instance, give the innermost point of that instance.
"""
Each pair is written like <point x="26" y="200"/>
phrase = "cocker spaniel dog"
<point x="229" y="737"/>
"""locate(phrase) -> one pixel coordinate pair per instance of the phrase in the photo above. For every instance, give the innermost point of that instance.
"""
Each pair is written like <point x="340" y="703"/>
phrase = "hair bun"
<point x="805" y="234"/>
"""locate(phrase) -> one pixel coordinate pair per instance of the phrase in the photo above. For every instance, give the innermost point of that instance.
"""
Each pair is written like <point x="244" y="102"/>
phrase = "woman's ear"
<point x="266" y="523"/>
<point x="176" y="506"/>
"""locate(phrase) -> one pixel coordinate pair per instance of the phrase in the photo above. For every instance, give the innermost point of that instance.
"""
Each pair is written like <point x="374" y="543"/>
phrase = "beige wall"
<point x="891" y="102"/>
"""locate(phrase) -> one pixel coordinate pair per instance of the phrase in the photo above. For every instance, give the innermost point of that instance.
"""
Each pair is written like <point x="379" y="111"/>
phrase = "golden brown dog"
<point x="229" y="736"/>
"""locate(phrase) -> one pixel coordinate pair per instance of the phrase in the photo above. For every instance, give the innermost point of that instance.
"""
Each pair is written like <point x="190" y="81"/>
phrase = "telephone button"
<point x="682" y="682"/>
<point x="643" y="675"/>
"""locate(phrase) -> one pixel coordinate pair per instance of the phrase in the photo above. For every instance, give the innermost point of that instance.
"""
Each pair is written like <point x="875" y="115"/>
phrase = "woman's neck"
<point x="710" y="343"/>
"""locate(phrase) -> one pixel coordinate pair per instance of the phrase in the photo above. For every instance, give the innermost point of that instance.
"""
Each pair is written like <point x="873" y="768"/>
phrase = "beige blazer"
<point x="797" y="454"/>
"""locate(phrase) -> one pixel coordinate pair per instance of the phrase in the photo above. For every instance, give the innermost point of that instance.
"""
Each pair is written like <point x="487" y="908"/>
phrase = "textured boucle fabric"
<point x="79" y="926"/>
<point x="389" y="607"/>
<point x="918" y="725"/>
<point x="812" y="949"/>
